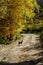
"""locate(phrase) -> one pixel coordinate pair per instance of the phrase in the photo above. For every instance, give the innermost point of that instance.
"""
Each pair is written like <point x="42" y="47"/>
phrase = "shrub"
<point x="3" y="41"/>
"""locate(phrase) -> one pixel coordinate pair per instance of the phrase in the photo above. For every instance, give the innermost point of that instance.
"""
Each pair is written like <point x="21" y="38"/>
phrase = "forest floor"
<point x="27" y="48"/>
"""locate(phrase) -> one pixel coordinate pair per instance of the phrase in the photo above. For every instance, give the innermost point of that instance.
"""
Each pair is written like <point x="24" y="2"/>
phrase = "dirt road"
<point x="25" y="49"/>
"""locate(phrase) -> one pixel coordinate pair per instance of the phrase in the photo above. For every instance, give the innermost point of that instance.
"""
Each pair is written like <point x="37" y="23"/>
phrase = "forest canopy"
<point x="18" y="16"/>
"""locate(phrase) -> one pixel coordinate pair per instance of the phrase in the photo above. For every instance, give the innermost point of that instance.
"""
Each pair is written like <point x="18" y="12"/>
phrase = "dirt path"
<point x="25" y="49"/>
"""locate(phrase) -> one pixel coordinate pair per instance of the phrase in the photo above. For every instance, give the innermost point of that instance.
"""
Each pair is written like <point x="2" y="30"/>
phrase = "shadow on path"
<point x="32" y="62"/>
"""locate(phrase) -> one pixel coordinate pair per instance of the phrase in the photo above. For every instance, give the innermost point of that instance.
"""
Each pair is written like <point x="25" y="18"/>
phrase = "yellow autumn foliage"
<point x="17" y="11"/>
